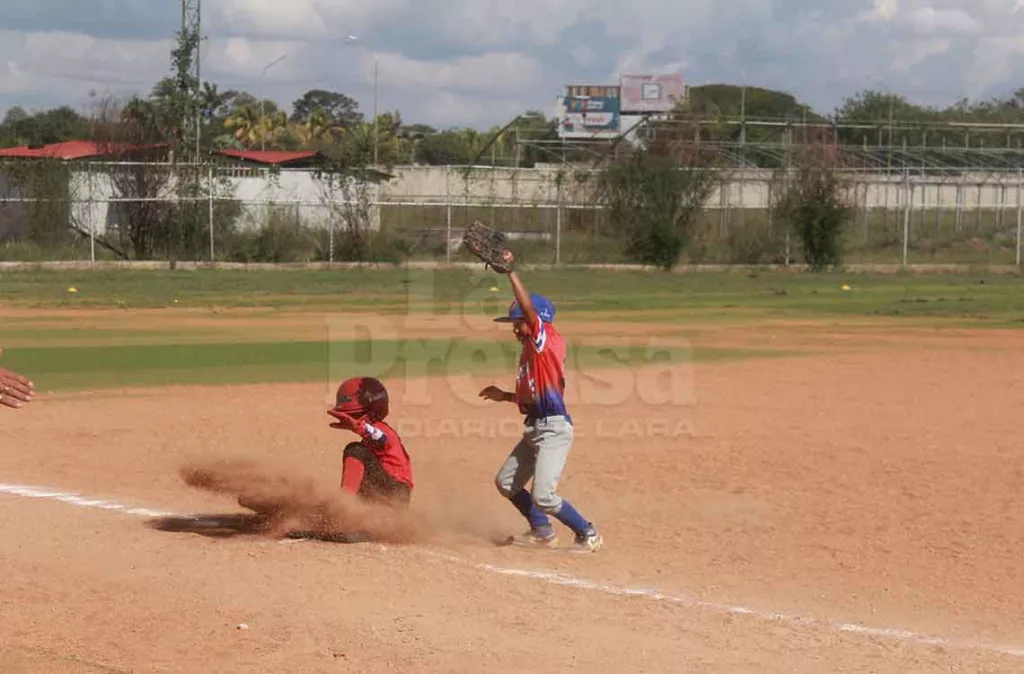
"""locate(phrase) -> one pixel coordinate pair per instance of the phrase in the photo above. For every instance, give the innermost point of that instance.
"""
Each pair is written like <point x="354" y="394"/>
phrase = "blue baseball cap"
<point x="542" y="305"/>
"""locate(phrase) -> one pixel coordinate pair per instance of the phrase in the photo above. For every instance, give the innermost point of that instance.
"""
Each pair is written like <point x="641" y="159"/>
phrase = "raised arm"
<point x="520" y="292"/>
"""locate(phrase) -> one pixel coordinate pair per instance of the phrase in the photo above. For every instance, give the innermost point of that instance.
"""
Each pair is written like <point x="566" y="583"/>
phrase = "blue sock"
<point x="568" y="516"/>
<point x="523" y="500"/>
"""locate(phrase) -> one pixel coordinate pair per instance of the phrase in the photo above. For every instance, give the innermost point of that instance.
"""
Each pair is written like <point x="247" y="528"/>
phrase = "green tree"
<point x="815" y="203"/>
<point x="338" y="109"/>
<point x="56" y="125"/>
<point x="655" y="193"/>
<point x="244" y="125"/>
<point x="442" y="149"/>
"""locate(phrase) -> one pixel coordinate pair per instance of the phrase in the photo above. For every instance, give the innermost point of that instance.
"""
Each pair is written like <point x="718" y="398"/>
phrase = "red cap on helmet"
<point x="362" y="396"/>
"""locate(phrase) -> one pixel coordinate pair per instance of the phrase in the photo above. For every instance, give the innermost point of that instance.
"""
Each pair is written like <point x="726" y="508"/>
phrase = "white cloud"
<point x="269" y="17"/>
<point x="448" y="62"/>
<point x="884" y="10"/>
<point x="931" y="21"/>
<point x="505" y="72"/>
<point x="912" y="54"/>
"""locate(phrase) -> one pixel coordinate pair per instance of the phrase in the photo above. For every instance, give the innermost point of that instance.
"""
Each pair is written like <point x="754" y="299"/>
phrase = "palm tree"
<point x="246" y="124"/>
<point x="272" y="127"/>
<point x="213" y="100"/>
<point x="317" y="127"/>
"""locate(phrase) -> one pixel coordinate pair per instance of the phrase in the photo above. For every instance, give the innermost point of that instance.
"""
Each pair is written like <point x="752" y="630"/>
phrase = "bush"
<point x="281" y="239"/>
<point x="753" y="244"/>
<point x="814" y="203"/>
<point x="655" y="192"/>
<point x="654" y="202"/>
<point x="367" y="246"/>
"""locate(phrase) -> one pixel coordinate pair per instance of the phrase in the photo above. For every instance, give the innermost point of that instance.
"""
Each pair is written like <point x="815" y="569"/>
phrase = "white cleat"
<point x="535" y="539"/>
<point x="589" y="541"/>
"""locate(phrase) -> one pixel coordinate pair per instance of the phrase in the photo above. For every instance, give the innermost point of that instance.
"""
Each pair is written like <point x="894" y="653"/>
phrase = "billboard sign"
<point x="589" y="112"/>
<point x="651" y="93"/>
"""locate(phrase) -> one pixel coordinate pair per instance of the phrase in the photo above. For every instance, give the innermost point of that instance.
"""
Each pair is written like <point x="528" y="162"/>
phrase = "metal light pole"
<point x="376" y="89"/>
<point x="375" y="124"/>
<point x="263" y="136"/>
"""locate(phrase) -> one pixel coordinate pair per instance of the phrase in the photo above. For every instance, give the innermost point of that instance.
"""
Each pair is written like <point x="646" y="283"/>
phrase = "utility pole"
<point x="376" y="132"/>
<point x="353" y="39"/>
<point x="263" y="99"/>
<point x="190" y="96"/>
<point x="199" y="80"/>
<point x="191" y="12"/>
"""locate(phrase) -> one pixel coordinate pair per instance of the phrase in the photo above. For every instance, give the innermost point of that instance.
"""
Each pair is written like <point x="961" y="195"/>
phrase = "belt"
<point x="530" y="420"/>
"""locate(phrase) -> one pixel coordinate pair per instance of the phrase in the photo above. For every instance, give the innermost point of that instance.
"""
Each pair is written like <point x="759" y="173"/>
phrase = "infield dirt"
<point x="875" y="480"/>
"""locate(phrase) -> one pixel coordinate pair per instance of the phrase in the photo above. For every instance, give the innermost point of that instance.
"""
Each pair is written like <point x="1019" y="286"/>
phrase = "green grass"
<point x="62" y="355"/>
<point x="575" y="292"/>
<point x="981" y="298"/>
<point x="78" y="368"/>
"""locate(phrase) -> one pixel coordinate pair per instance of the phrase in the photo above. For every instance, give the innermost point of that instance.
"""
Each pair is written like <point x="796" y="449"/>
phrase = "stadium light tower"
<point x="191" y="24"/>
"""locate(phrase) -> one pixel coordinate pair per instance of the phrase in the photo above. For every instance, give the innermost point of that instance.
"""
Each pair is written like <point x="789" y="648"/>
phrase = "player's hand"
<point x="494" y="393"/>
<point x="15" y="390"/>
<point x="344" y="421"/>
<point x="508" y="258"/>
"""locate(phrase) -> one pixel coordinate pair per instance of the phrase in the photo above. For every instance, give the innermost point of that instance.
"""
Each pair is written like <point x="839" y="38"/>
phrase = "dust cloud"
<point x="295" y="502"/>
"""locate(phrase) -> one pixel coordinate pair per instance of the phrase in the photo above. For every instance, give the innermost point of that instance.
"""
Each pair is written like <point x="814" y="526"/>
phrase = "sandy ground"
<point x="856" y="509"/>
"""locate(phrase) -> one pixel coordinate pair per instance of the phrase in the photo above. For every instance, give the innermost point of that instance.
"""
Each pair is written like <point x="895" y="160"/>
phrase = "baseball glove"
<point x="489" y="245"/>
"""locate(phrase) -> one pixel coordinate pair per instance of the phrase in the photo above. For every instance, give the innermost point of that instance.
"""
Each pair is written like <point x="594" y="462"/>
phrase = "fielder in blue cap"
<point x="542" y="452"/>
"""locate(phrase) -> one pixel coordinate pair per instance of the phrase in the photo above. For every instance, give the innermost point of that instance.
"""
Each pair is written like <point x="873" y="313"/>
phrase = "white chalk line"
<point x="564" y="580"/>
<point x="76" y="500"/>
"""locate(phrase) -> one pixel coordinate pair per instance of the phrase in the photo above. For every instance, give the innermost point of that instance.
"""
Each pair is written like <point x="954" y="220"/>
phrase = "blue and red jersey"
<point x="540" y="379"/>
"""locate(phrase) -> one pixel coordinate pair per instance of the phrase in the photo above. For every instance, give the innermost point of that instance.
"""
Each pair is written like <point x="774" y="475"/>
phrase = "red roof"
<point x="83" y="149"/>
<point x="268" y="156"/>
<point x="72" y="149"/>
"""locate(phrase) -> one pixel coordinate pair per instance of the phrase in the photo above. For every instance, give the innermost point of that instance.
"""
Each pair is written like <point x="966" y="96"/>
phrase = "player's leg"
<point x="353" y="467"/>
<point x="554" y="442"/>
<point x="511" y="483"/>
<point x="364" y="475"/>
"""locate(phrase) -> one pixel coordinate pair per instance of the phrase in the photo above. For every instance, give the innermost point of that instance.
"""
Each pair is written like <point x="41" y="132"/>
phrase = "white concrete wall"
<point x="744" y="189"/>
<point x="539" y="187"/>
<point x="315" y="204"/>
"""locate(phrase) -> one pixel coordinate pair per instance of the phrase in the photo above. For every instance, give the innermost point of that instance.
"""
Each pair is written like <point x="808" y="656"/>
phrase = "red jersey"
<point x="540" y="379"/>
<point x="384" y="441"/>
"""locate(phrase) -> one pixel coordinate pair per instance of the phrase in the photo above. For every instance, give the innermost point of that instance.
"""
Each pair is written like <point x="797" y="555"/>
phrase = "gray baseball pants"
<point x="540" y="454"/>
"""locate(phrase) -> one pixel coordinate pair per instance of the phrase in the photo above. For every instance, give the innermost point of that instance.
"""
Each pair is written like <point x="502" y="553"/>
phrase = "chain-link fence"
<point x="554" y="214"/>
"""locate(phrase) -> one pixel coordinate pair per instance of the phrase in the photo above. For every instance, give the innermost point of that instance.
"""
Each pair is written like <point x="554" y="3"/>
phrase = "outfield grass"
<point x="78" y="368"/>
<point x="623" y="293"/>
<point x="68" y="351"/>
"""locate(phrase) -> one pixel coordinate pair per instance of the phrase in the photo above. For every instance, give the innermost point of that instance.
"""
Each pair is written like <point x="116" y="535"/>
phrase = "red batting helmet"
<point x="362" y="396"/>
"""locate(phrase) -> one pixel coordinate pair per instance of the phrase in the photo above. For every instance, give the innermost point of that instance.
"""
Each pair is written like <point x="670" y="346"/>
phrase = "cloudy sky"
<point x="481" y="62"/>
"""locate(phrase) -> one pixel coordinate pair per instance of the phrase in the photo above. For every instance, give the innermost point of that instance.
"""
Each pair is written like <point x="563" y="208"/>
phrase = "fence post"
<point x="558" y="224"/>
<point x="959" y="205"/>
<point x="1020" y="182"/>
<point x="906" y="215"/>
<point x="210" y="175"/>
<point x="788" y="225"/>
<point x="92" y="217"/>
<point x="448" y="214"/>
<point x="867" y="211"/>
